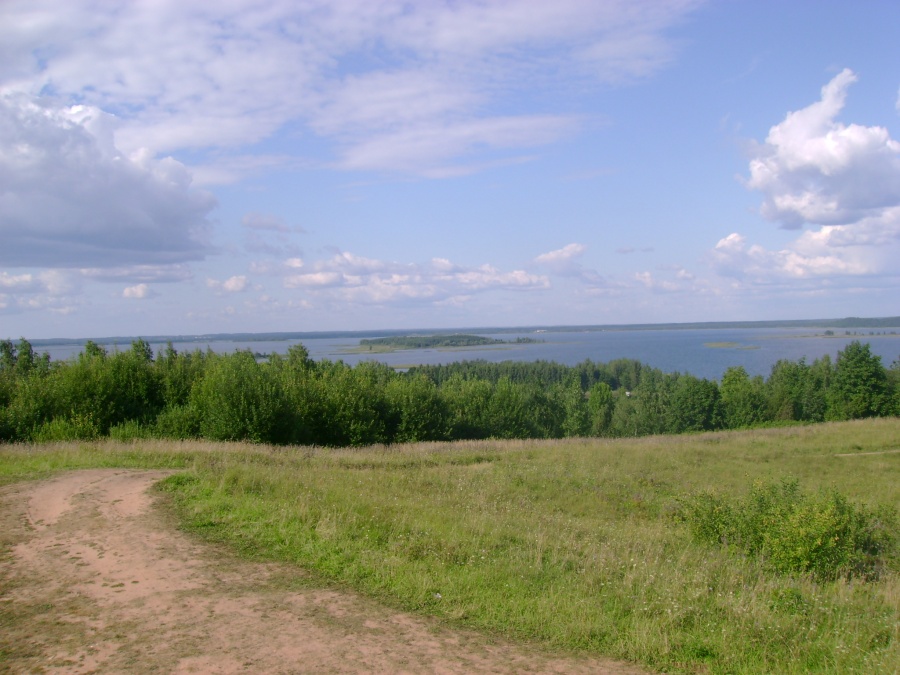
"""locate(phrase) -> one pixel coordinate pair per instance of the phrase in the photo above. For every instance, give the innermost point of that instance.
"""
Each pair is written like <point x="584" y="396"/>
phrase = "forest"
<point x="292" y="399"/>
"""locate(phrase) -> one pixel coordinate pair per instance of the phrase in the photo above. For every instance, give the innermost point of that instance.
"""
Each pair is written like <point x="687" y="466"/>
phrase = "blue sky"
<point x="180" y="167"/>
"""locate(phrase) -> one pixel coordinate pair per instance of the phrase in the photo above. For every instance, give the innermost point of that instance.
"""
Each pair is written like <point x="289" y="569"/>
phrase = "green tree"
<point x="238" y="399"/>
<point x="93" y="350"/>
<point x="651" y="403"/>
<point x="695" y="405"/>
<point x="7" y="355"/>
<point x="467" y="402"/>
<point x="743" y="400"/>
<point x="142" y="350"/>
<point x="601" y="404"/>
<point x="860" y="384"/>
<point x="25" y="357"/>
<point x="577" y="421"/>
<point x="509" y="415"/>
<point x="893" y="375"/>
<point x="417" y="410"/>
<point x="354" y="409"/>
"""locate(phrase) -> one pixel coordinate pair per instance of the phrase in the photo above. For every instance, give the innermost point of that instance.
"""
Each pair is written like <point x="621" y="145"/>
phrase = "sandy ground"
<point x="94" y="579"/>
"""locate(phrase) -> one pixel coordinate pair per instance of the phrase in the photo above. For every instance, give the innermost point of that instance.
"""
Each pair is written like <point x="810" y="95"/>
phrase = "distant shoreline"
<point x="843" y="324"/>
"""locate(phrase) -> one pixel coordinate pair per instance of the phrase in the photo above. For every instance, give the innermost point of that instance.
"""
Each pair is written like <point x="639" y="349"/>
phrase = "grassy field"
<point x="572" y="544"/>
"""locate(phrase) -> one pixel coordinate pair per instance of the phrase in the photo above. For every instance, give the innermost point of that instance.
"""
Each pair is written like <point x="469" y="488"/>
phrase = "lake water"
<point x="681" y="350"/>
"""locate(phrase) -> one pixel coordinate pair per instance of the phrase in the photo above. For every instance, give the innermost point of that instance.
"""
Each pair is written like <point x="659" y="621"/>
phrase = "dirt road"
<point x="95" y="579"/>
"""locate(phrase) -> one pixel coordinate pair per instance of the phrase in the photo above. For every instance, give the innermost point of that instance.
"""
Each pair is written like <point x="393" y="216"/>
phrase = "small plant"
<point x="129" y="431"/>
<point x="824" y="535"/>
<point x="76" y="427"/>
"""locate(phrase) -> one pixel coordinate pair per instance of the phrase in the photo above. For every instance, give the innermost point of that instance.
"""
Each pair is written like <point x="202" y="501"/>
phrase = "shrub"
<point x="130" y="430"/>
<point x="824" y="536"/>
<point x="179" y="421"/>
<point x="238" y="399"/>
<point x="76" y="427"/>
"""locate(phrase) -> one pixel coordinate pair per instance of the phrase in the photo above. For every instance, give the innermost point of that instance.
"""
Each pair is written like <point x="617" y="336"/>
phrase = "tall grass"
<point x="569" y="543"/>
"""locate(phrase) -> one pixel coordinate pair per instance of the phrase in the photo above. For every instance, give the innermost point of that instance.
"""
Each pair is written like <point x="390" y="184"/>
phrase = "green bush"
<point x="824" y="536"/>
<point x="179" y="422"/>
<point x="77" y="427"/>
<point x="239" y="399"/>
<point x="130" y="430"/>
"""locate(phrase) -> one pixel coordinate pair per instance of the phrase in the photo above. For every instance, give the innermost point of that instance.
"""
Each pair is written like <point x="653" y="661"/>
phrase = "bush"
<point x="76" y="427"/>
<point x="179" y="422"/>
<point x="238" y="399"/>
<point x="824" y="536"/>
<point x="130" y="430"/>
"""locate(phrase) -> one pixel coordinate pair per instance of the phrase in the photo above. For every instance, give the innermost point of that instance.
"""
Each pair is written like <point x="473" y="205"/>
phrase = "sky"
<point x="185" y="167"/>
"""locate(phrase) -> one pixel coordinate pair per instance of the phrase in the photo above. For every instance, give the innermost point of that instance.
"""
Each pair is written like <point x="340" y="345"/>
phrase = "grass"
<point x="572" y="544"/>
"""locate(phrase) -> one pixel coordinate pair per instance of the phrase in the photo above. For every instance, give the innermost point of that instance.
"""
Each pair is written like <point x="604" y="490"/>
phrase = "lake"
<point x="704" y="352"/>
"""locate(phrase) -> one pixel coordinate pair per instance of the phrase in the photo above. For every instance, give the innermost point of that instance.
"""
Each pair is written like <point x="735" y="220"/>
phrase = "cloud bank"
<point x="69" y="198"/>
<point x="353" y="278"/>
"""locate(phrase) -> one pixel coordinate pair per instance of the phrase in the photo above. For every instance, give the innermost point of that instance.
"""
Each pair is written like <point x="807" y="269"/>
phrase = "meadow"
<point x="576" y="544"/>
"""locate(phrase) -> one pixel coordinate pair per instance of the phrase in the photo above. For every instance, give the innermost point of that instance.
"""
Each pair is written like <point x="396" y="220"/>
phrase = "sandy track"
<point x="97" y="580"/>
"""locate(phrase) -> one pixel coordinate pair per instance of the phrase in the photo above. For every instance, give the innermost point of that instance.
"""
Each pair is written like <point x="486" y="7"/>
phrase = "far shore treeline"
<point x="291" y="399"/>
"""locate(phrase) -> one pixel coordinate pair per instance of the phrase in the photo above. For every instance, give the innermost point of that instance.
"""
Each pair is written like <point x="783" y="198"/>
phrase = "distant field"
<point x="572" y="544"/>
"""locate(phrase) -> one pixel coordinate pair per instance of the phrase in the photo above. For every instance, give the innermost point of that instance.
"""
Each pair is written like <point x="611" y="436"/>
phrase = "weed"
<point x="824" y="535"/>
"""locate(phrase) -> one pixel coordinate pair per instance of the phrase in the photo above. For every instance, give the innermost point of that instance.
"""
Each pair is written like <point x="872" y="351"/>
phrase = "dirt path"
<point x="93" y="579"/>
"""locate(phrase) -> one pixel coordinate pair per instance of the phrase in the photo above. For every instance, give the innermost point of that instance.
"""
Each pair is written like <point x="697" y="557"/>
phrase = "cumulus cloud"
<point x="350" y="277"/>
<point x="137" y="292"/>
<point x="814" y="169"/>
<point x="564" y="262"/>
<point x="734" y="257"/>
<point x="648" y="281"/>
<point x="16" y="281"/>
<point x="234" y="284"/>
<point x="52" y="290"/>
<point x="841" y="181"/>
<point x="68" y="198"/>
<point x="392" y="85"/>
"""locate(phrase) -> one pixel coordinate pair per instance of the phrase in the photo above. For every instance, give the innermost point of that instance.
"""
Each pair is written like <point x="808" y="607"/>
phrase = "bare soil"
<point x="96" y="578"/>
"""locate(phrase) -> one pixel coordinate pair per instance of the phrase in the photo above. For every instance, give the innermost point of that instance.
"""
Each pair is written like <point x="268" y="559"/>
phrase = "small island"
<point x="445" y="341"/>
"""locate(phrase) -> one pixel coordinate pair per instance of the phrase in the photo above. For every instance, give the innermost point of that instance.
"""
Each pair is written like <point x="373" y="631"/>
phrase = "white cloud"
<point x="213" y="75"/>
<point x="52" y="290"/>
<point x="16" y="280"/>
<point x="843" y="180"/>
<point x="564" y="262"/>
<point x="346" y="276"/>
<point x="138" y="292"/>
<point x="650" y="282"/>
<point x="813" y="169"/>
<point x="732" y="256"/>
<point x="234" y="284"/>
<point x="563" y="254"/>
<point x="70" y="199"/>
<point x="314" y="279"/>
